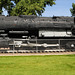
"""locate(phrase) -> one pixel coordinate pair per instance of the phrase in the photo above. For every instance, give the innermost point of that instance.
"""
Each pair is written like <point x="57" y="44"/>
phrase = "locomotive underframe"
<point x="32" y="33"/>
<point x="28" y="45"/>
<point x="37" y="40"/>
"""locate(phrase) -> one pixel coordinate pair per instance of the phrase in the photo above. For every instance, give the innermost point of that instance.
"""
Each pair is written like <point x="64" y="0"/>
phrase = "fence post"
<point x="13" y="46"/>
<point x="36" y="44"/>
<point x="59" y="43"/>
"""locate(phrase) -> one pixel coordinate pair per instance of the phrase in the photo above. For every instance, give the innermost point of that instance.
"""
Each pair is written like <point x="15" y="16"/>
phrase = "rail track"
<point x="34" y="54"/>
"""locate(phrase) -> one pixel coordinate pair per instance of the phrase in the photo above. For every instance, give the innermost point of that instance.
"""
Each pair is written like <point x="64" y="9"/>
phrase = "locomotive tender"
<point x="32" y="33"/>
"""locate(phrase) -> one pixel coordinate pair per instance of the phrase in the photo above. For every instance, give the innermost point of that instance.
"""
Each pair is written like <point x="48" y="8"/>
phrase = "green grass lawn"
<point x="37" y="65"/>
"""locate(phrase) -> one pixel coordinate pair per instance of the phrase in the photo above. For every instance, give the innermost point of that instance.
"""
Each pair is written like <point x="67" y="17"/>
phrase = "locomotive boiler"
<point x="31" y="33"/>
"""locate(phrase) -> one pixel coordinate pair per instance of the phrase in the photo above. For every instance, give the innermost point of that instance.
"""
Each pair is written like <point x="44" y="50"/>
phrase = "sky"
<point x="62" y="8"/>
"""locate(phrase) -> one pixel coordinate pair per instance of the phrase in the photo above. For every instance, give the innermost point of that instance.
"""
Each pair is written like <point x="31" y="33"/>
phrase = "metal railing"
<point x="43" y="44"/>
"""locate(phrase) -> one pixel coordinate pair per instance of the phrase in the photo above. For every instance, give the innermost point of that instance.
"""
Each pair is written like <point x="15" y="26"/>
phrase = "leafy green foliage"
<point x="25" y="7"/>
<point x="30" y="7"/>
<point x="73" y="9"/>
<point x="6" y="4"/>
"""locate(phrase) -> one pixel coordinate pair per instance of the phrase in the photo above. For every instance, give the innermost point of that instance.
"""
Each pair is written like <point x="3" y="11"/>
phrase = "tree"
<point x="30" y="7"/>
<point x="73" y="9"/>
<point x="25" y="7"/>
<point x="6" y="4"/>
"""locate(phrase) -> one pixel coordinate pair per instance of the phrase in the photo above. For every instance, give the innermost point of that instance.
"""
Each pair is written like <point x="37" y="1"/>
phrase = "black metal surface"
<point x="31" y="22"/>
<point x="19" y="26"/>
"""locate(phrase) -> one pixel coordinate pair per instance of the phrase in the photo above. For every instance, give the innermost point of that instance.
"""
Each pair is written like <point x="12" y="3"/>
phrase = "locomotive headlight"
<point x="72" y="45"/>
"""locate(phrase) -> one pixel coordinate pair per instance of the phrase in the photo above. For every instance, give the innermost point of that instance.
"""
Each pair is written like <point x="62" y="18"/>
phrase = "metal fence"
<point x="43" y="44"/>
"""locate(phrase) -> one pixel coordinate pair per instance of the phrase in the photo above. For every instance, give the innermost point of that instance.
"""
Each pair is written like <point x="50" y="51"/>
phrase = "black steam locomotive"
<point x="31" y="33"/>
